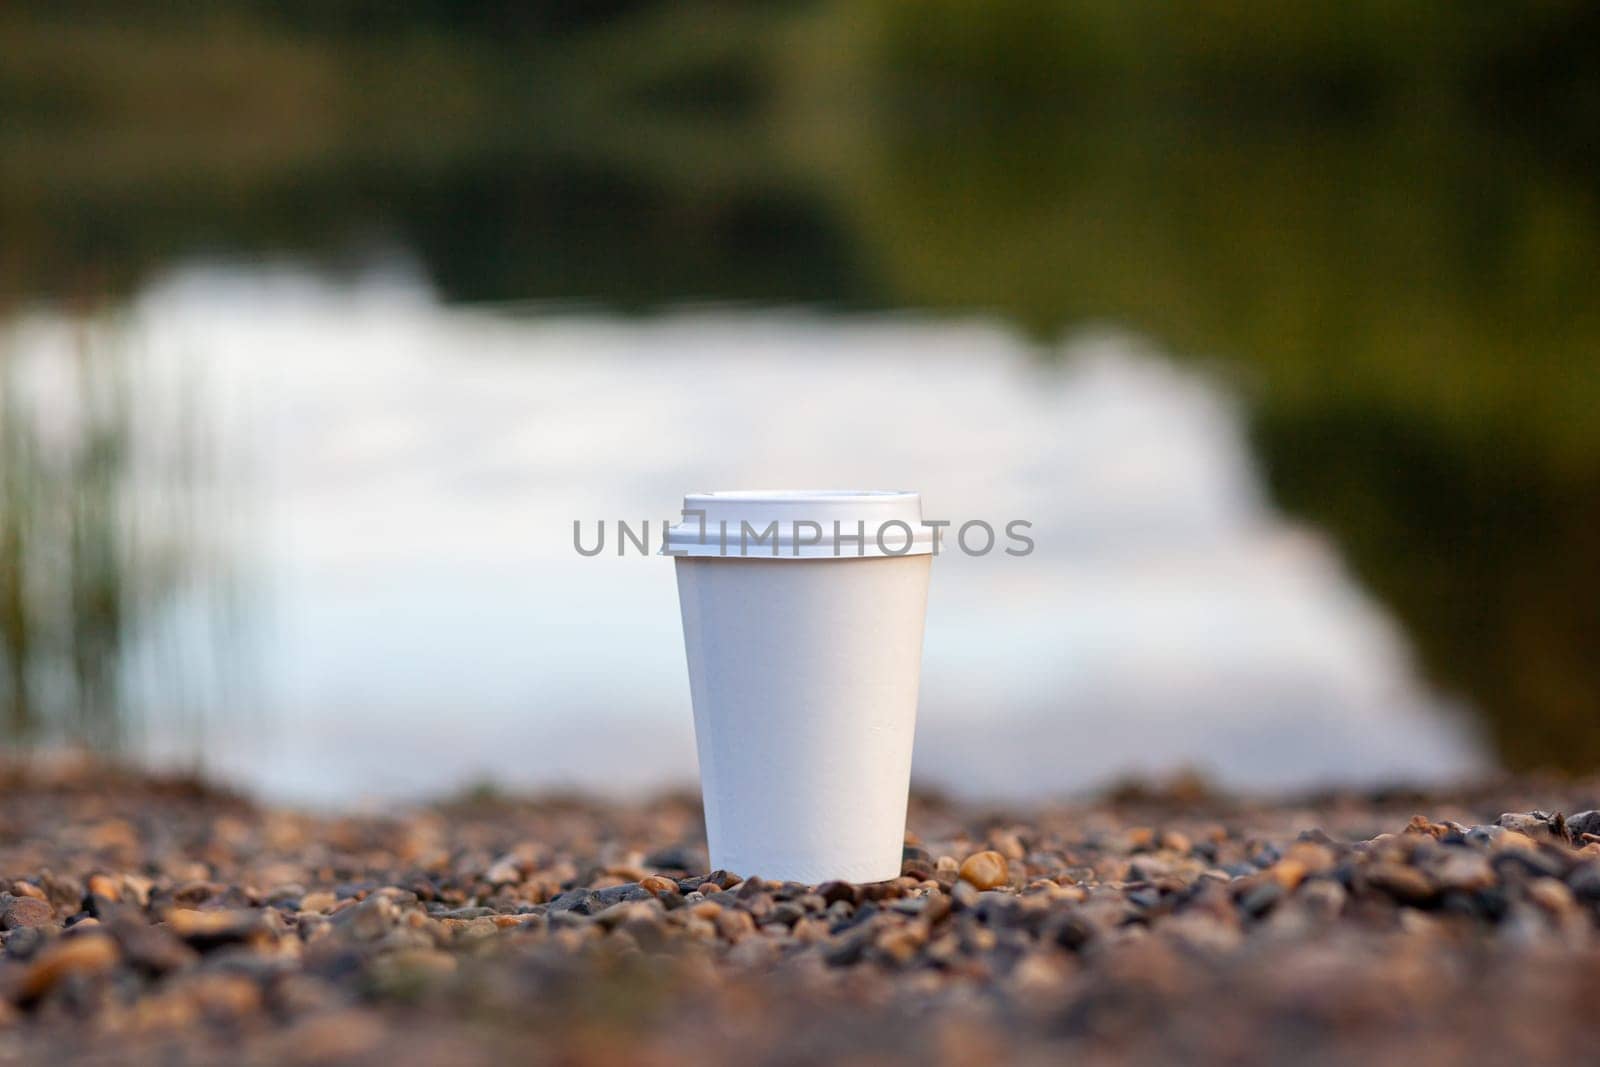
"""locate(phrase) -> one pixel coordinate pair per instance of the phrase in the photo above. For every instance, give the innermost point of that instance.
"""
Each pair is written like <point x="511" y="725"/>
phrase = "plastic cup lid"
<point x="800" y="524"/>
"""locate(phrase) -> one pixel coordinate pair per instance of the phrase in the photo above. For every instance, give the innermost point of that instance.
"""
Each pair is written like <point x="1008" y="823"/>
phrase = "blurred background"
<point x="321" y="323"/>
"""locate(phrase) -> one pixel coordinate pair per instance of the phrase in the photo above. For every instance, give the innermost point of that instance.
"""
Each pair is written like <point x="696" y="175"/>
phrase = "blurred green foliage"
<point x="65" y="593"/>
<point x="105" y="533"/>
<point x="1380" y="220"/>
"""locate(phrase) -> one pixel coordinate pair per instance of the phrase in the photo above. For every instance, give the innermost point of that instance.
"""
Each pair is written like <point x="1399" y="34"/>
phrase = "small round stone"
<point x="74" y="955"/>
<point x="102" y="886"/>
<point x="985" y="870"/>
<point x="25" y="911"/>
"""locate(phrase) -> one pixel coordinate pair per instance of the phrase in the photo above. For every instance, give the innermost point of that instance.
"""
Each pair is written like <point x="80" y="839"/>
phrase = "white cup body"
<point x="804" y="677"/>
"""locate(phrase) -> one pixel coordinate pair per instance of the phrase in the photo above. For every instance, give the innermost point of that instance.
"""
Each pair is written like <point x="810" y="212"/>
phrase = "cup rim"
<point x="778" y="496"/>
<point x="791" y="524"/>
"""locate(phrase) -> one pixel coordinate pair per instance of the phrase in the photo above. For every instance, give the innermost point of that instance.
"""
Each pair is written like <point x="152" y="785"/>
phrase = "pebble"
<point x="582" y="901"/>
<point x="368" y="920"/>
<point x="155" y="950"/>
<point x="734" y="925"/>
<point x="503" y="872"/>
<point x="617" y="894"/>
<point x="1536" y="824"/>
<point x="1261" y="898"/>
<point x="899" y="944"/>
<point x="1584" y="822"/>
<point x="1288" y="873"/>
<point x="100" y="885"/>
<point x="1467" y="871"/>
<point x="1584" y="881"/>
<point x="985" y="870"/>
<point x="321" y="902"/>
<point x="1067" y="926"/>
<point x="210" y="928"/>
<point x="836" y="892"/>
<point x="25" y="911"/>
<point x="1406" y="884"/>
<point x="84" y="954"/>
<point x="1322" y="899"/>
<point x="1008" y="844"/>
<point x="1176" y="841"/>
<point x="1551" y="895"/>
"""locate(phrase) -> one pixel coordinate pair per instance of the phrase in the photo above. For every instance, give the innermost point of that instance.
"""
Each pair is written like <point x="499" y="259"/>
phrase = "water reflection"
<point x="426" y="621"/>
<point x="1376" y="225"/>
<point x="116" y="586"/>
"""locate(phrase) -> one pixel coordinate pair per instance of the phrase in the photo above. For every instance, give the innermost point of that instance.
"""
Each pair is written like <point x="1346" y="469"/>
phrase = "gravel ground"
<point x="159" y="921"/>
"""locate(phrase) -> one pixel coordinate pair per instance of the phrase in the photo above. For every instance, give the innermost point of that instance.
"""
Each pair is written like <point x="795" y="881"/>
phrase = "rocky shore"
<point x="157" y="921"/>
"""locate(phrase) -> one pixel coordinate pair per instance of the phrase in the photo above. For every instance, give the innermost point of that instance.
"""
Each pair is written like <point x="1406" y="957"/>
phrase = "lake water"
<point x="396" y="481"/>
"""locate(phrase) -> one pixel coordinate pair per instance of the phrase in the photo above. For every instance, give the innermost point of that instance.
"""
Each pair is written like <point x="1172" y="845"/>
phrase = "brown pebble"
<point x="735" y="925"/>
<point x="322" y="902"/>
<point x="1008" y="844"/>
<point x="1420" y="824"/>
<point x="137" y="888"/>
<point x="27" y="889"/>
<point x="83" y="955"/>
<point x="1551" y="895"/>
<point x="835" y="891"/>
<point x="1514" y="841"/>
<point x="1322" y="899"/>
<point x="26" y="911"/>
<point x="1466" y="871"/>
<point x="191" y="924"/>
<point x="152" y="949"/>
<point x="985" y="870"/>
<point x="900" y="943"/>
<point x="503" y="872"/>
<point x="370" y="919"/>
<point x="1406" y="884"/>
<point x="658" y="885"/>
<point x="1535" y="826"/>
<point x="1288" y="872"/>
<point x="102" y="886"/>
<point x="1313" y="857"/>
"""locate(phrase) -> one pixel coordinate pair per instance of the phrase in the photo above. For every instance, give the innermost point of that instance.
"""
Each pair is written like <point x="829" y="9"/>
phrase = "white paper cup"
<point x="803" y="668"/>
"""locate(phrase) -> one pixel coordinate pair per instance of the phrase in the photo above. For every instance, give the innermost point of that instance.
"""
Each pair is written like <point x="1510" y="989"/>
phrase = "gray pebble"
<point x="618" y="894"/>
<point x="1584" y="822"/>
<point x="581" y="900"/>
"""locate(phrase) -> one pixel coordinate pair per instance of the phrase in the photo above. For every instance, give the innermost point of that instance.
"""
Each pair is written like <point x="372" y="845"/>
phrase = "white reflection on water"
<point x="424" y="621"/>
